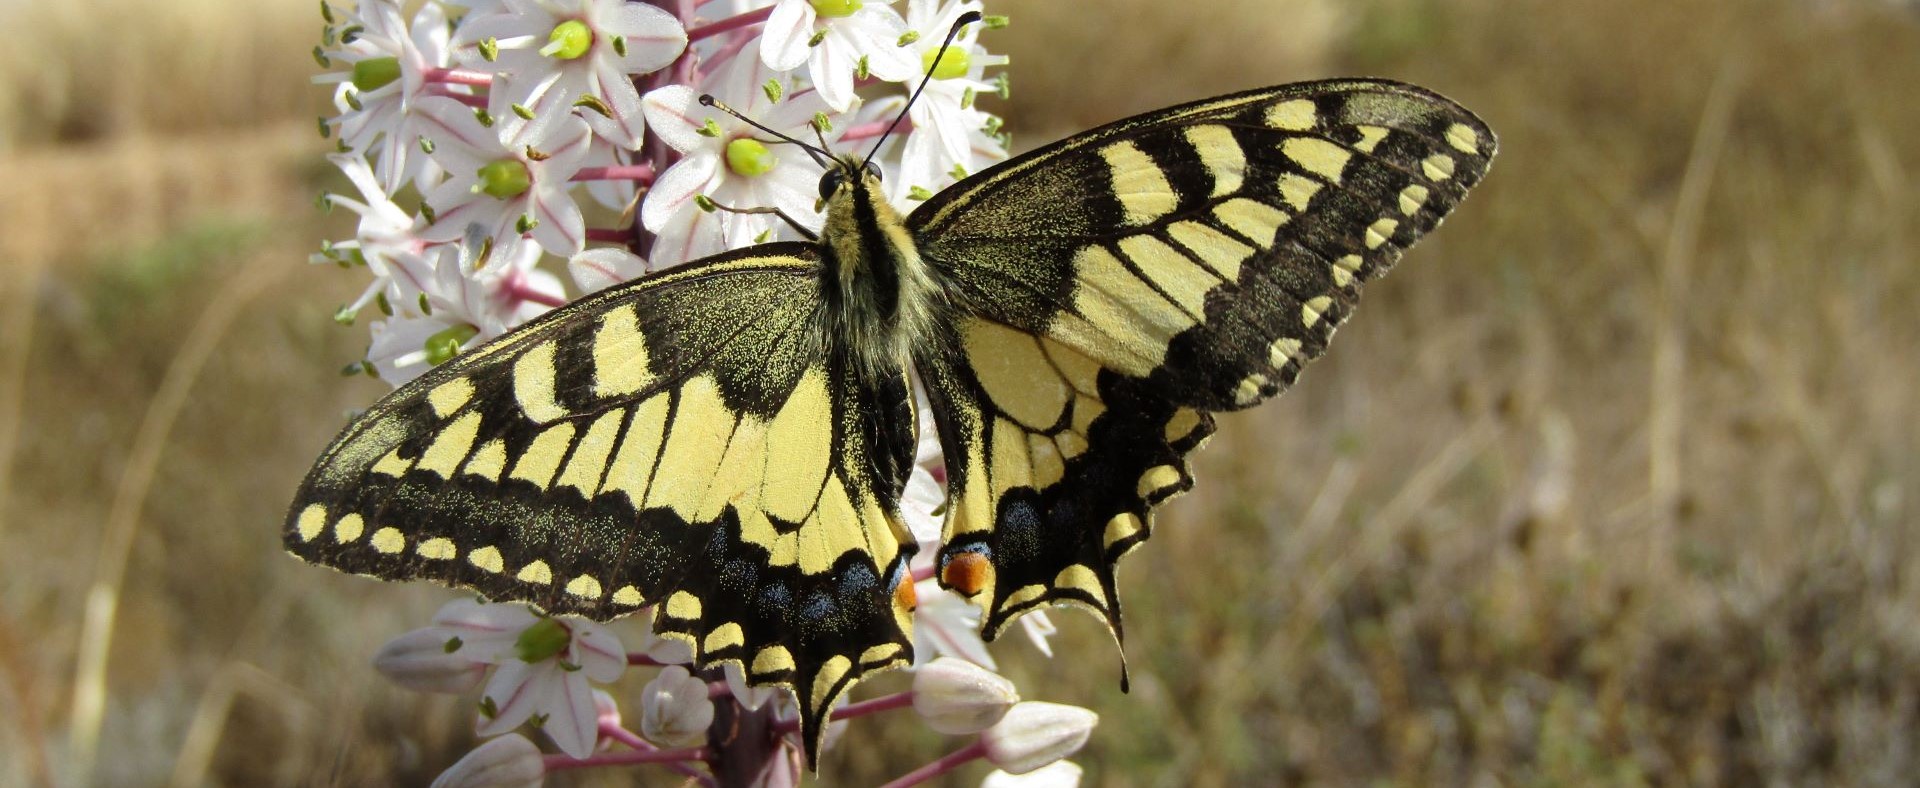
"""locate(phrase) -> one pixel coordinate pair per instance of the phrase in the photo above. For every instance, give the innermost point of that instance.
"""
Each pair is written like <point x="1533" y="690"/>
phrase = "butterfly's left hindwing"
<point x="1119" y="285"/>
<point x="688" y="441"/>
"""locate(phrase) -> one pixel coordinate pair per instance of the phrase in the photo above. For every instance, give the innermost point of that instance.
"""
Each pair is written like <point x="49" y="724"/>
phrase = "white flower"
<point x="955" y="696"/>
<point x="386" y="75"/>
<point x="511" y="761"/>
<point x="675" y="709"/>
<point x="595" y="270"/>
<point x="1034" y="734"/>
<point x="833" y="38"/>
<point x="948" y="132"/>
<point x="543" y="666"/>
<point x="463" y="308"/>
<point x="730" y="163"/>
<point x="561" y="50"/>
<point x="511" y="179"/>
<point x="387" y="241"/>
<point x="1059" y="774"/>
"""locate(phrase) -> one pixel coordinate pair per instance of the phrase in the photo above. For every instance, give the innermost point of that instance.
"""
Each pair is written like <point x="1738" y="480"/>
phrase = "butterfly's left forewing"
<point x="1121" y="284"/>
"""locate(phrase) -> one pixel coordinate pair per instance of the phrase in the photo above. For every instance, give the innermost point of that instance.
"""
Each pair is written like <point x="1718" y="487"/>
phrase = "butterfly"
<point x="727" y="442"/>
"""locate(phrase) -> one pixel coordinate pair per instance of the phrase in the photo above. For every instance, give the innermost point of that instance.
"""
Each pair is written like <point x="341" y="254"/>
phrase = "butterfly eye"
<point x="875" y="169"/>
<point x="829" y="183"/>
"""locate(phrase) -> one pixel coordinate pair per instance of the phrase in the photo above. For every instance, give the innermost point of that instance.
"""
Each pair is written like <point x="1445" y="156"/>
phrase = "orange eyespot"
<point x="904" y="595"/>
<point x="966" y="573"/>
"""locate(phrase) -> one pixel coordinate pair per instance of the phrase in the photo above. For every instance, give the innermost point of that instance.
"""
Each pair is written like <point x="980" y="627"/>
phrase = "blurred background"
<point x="1615" y="480"/>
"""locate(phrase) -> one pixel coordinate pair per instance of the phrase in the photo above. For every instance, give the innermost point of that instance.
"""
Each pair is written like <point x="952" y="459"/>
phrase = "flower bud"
<point x="1034" y="734"/>
<point x="428" y="660"/>
<point x="1059" y="774"/>
<point x="956" y="696"/>
<point x="606" y="712"/>
<point x="675" y="709"/>
<point x="510" y="761"/>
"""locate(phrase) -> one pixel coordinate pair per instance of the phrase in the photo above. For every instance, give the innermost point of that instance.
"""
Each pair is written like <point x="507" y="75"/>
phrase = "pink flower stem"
<point x="456" y="76"/>
<point x="923" y="573"/>
<point x="874" y="129"/>
<point x="616" y="235"/>
<point x="557" y="763"/>
<point x="633" y="658"/>
<point x="616" y="733"/>
<point x="941" y="765"/>
<point x="730" y="23"/>
<point x="516" y="288"/>
<point x="717" y="690"/>
<point x="469" y="100"/>
<point x="898" y="700"/>
<point x="638" y="173"/>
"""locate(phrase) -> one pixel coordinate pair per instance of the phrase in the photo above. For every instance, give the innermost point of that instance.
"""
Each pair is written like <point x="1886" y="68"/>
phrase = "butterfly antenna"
<point x="707" y="100"/>
<point x="965" y="19"/>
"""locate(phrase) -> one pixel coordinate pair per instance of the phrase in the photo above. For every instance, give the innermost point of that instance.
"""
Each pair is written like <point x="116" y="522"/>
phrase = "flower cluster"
<point x="510" y="156"/>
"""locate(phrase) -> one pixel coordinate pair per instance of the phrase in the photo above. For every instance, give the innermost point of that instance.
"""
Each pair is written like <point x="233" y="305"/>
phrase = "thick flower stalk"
<point x="507" y="157"/>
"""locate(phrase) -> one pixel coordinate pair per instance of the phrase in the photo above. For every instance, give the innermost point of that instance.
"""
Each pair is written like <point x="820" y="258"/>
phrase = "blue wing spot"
<point x="857" y="580"/>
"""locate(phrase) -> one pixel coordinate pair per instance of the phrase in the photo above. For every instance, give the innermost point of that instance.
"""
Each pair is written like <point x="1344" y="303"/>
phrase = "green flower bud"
<point x="746" y="156"/>
<point x="505" y="178"/>
<point x="836" y="7"/>
<point x="444" y="345"/>
<point x="569" y="40"/>
<point x="952" y="64"/>
<point x="543" y="640"/>
<point x="376" y="72"/>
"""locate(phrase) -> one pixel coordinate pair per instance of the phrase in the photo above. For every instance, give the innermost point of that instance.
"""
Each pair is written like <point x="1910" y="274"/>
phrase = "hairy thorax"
<point x="880" y="295"/>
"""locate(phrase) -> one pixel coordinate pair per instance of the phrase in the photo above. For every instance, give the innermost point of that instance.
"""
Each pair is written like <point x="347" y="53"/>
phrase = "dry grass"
<point x="1613" y="482"/>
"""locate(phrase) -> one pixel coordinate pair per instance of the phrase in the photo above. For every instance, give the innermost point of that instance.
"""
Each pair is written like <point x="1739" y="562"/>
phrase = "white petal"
<point x="877" y="30"/>
<point x="749" y="696"/>
<point x="598" y="269"/>
<point x="1039" y="628"/>
<point x="460" y="143"/>
<point x="511" y="761"/>
<point x="1059" y="774"/>
<point x="572" y="721"/>
<point x="517" y="690"/>
<point x="676" y="117"/>
<point x="945" y="623"/>
<point x="1034" y="734"/>
<point x="600" y="655"/>
<point x="783" y="40"/>
<point x="673" y="191"/>
<point x="654" y="37"/>
<point x="419" y="661"/>
<point x="675" y="708"/>
<point x="628" y="122"/>
<point x="832" y="75"/>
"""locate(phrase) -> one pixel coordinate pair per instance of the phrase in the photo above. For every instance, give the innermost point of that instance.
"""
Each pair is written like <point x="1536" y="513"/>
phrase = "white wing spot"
<point x="537" y="573"/>
<point x="1380" y="231"/>
<point x="1294" y="115"/>
<point x="1463" y="138"/>
<point x="1411" y="198"/>
<point x="389" y="540"/>
<point x="313" y="520"/>
<point x="584" y="587"/>
<point x="487" y="559"/>
<point x="1314" y="309"/>
<point x="437" y="549"/>
<point x="1438" y="167"/>
<point x="349" y="528"/>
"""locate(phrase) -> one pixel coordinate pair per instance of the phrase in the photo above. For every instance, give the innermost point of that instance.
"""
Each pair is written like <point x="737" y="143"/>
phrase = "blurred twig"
<point x="143" y="461"/>
<point x="1667" y="386"/>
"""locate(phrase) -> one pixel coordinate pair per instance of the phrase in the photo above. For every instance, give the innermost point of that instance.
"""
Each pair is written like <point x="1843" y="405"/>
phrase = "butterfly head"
<point x="845" y="170"/>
